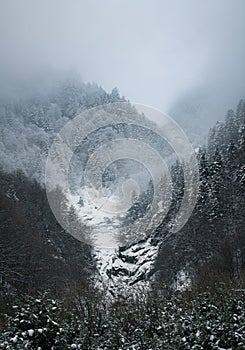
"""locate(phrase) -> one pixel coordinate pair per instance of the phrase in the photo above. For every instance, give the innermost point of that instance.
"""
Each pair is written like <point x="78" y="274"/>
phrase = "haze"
<point x="183" y="57"/>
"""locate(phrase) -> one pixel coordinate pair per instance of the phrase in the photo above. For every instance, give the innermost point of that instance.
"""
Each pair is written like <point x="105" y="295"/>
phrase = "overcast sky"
<point x="185" y="57"/>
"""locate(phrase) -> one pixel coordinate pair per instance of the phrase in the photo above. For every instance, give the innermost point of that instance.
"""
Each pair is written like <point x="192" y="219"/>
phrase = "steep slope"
<point x="36" y="253"/>
<point x="211" y="246"/>
<point x="128" y="267"/>
<point x="29" y="124"/>
<point x="214" y="233"/>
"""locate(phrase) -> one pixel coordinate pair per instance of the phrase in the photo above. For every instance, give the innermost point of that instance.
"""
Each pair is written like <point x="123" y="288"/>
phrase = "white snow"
<point x="183" y="281"/>
<point x="103" y="233"/>
<point x="14" y="339"/>
<point x="30" y="332"/>
<point x="117" y="271"/>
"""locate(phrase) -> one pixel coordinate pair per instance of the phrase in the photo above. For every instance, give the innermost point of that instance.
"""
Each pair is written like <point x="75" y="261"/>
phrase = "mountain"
<point x="30" y="123"/>
<point x="211" y="244"/>
<point x="36" y="253"/>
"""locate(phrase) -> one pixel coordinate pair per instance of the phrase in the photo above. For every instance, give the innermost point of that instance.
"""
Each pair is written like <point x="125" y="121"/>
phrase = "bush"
<point x="207" y="320"/>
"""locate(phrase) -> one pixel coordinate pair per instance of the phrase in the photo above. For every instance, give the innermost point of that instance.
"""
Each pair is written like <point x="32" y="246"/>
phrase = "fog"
<point x="183" y="57"/>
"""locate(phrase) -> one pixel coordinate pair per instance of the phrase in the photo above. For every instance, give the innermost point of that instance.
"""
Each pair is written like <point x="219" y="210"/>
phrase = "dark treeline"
<point x="35" y="252"/>
<point x="212" y="244"/>
<point x="206" y="320"/>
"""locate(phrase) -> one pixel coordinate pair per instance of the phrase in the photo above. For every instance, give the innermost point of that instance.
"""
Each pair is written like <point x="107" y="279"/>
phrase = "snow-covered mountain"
<point x="28" y="127"/>
<point x="30" y="123"/>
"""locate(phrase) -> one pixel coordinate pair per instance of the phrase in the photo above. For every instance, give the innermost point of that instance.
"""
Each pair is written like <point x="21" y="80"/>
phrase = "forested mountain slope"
<point x="29" y="124"/>
<point x="36" y="253"/>
<point x="212" y="240"/>
<point x="212" y="244"/>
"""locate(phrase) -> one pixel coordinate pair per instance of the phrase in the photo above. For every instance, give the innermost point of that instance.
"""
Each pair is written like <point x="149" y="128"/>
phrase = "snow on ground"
<point x="118" y="270"/>
<point x="104" y="236"/>
<point x="103" y="224"/>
